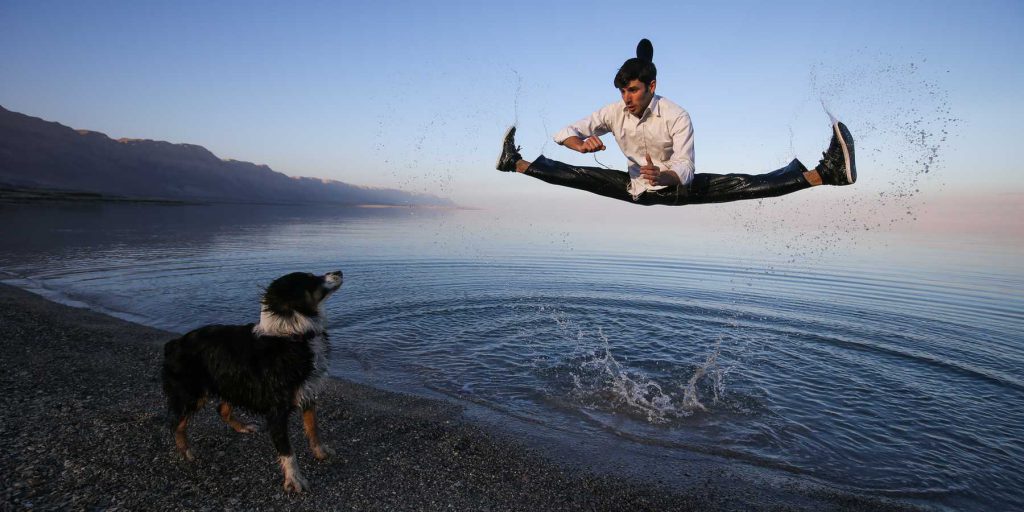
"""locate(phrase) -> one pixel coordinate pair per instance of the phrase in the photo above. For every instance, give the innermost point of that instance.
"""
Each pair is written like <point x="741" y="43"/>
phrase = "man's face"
<point x="637" y="95"/>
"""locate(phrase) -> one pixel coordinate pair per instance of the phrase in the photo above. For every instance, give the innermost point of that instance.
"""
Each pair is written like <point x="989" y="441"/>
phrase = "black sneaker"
<point x="837" y="166"/>
<point x="509" y="151"/>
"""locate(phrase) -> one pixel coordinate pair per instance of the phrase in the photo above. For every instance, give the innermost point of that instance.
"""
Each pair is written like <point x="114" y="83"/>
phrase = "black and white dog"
<point x="269" y="368"/>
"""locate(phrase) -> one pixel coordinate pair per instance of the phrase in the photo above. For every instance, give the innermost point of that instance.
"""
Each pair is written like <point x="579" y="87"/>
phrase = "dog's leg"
<point x="181" y="439"/>
<point x="320" y="451"/>
<point x="225" y="414"/>
<point x="277" y="423"/>
<point x="182" y="408"/>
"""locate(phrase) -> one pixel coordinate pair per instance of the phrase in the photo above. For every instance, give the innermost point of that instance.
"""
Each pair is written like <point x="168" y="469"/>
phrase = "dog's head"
<point x="291" y="304"/>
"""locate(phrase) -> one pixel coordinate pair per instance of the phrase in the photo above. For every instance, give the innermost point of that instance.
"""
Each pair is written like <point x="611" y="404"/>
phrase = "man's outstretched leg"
<point x="837" y="167"/>
<point x="604" y="182"/>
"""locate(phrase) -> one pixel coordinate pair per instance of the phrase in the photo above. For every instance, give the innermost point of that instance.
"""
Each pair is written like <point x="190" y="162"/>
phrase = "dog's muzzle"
<point x="333" y="279"/>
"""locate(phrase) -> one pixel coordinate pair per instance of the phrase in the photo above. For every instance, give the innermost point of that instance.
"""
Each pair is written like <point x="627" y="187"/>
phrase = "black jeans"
<point x="705" y="188"/>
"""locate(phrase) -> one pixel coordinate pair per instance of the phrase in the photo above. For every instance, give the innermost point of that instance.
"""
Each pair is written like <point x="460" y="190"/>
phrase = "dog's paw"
<point x="294" y="482"/>
<point x="323" y="452"/>
<point x="187" y="455"/>
<point x="247" y="428"/>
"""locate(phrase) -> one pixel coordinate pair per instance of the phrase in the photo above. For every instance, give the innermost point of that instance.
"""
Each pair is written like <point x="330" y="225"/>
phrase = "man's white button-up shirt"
<point x="663" y="131"/>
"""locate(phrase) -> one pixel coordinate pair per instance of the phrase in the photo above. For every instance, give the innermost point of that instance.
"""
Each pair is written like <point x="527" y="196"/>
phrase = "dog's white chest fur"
<point x="307" y="393"/>
<point x="274" y="325"/>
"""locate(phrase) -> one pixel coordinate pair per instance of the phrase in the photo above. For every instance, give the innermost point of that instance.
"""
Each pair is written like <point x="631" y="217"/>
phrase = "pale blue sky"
<point x="416" y="96"/>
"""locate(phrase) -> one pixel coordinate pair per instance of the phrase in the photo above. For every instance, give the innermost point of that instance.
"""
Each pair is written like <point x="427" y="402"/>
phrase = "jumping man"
<point x="657" y="139"/>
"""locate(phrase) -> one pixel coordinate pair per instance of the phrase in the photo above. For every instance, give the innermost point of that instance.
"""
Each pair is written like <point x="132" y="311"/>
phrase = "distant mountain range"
<point x="38" y="154"/>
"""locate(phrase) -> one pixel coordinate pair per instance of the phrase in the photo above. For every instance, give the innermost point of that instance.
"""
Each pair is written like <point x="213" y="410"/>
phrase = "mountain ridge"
<point x="40" y="154"/>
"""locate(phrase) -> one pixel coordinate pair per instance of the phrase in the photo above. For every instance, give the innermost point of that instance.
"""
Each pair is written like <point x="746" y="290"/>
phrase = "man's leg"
<point x="603" y="182"/>
<point x="721" y="188"/>
<point x="837" y="167"/>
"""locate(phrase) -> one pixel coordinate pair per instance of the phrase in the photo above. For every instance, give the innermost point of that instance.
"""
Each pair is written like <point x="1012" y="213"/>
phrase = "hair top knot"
<point x="640" y="67"/>
<point x="645" y="51"/>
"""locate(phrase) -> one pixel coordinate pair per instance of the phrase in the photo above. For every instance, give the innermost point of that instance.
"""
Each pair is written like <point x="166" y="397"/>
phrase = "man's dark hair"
<point x="635" y="69"/>
<point x="639" y="68"/>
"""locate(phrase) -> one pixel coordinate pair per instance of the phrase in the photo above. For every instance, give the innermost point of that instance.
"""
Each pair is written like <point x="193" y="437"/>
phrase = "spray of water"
<point x="831" y="117"/>
<point x="901" y="119"/>
<point x="601" y="381"/>
<point x="515" y="102"/>
<point x="691" y="399"/>
<point x="902" y="111"/>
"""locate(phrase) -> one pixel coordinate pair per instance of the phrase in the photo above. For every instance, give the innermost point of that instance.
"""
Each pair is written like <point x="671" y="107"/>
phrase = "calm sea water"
<point x="886" y="368"/>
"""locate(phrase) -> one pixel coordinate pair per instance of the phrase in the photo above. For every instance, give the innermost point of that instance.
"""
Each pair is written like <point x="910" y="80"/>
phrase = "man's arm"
<point x="584" y="135"/>
<point x="682" y="161"/>
<point x="589" y="145"/>
<point x="679" y="169"/>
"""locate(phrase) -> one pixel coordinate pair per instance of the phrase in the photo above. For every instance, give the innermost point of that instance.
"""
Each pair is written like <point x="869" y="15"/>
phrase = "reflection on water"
<point x="882" y="375"/>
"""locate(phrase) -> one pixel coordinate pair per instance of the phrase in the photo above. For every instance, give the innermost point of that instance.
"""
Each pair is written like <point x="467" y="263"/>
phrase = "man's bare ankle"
<point x="522" y="166"/>
<point x="812" y="177"/>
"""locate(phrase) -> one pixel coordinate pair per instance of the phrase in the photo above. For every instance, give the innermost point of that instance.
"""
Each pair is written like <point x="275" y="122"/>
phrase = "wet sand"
<point x="84" y="427"/>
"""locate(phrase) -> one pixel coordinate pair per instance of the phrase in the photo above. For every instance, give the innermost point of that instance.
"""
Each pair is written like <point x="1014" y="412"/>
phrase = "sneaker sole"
<point x="843" y="134"/>
<point x="497" y="165"/>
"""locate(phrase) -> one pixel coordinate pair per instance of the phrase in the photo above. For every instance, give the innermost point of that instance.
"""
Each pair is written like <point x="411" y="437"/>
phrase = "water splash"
<point x="902" y="112"/>
<point x="691" y="398"/>
<point x="902" y="119"/>
<point x="602" y="376"/>
<point x="601" y="382"/>
<point x="515" y="101"/>
<point x="831" y="117"/>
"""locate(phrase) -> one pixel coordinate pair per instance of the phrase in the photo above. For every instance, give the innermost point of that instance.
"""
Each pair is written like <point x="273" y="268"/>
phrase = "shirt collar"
<point x="655" y="106"/>
<point x="652" y="108"/>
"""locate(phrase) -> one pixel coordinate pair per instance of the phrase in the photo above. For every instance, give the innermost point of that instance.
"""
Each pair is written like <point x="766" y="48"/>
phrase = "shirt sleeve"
<point x="682" y="161"/>
<point x="594" y="124"/>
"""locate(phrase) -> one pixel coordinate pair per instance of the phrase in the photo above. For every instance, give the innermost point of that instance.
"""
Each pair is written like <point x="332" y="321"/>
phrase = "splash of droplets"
<point x="831" y="117"/>
<point x="515" y="101"/>
<point x="902" y="122"/>
<point x="903" y="116"/>
<point x="600" y="381"/>
<point x="691" y="398"/>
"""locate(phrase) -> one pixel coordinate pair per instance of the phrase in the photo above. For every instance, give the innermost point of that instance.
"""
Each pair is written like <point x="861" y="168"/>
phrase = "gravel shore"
<point x="83" y="427"/>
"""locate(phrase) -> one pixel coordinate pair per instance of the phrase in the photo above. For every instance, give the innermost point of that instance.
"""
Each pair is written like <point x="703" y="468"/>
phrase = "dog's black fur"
<point x="269" y="368"/>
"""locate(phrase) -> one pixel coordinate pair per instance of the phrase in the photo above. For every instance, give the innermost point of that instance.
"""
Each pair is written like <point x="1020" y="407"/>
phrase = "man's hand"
<point x="593" y="144"/>
<point x="655" y="176"/>
<point x="590" y="145"/>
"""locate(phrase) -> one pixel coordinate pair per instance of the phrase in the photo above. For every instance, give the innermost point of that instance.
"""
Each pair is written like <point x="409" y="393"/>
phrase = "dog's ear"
<point x="285" y="301"/>
<point x="645" y="51"/>
<point x="293" y="293"/>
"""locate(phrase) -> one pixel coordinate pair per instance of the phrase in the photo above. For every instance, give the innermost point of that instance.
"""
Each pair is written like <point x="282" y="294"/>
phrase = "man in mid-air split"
<point x="657" y="139"/>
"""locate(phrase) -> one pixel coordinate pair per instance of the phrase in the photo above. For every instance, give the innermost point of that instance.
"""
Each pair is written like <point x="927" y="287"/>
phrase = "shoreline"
<point x="17" y="196"/>
<point x="85" y="428"/>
